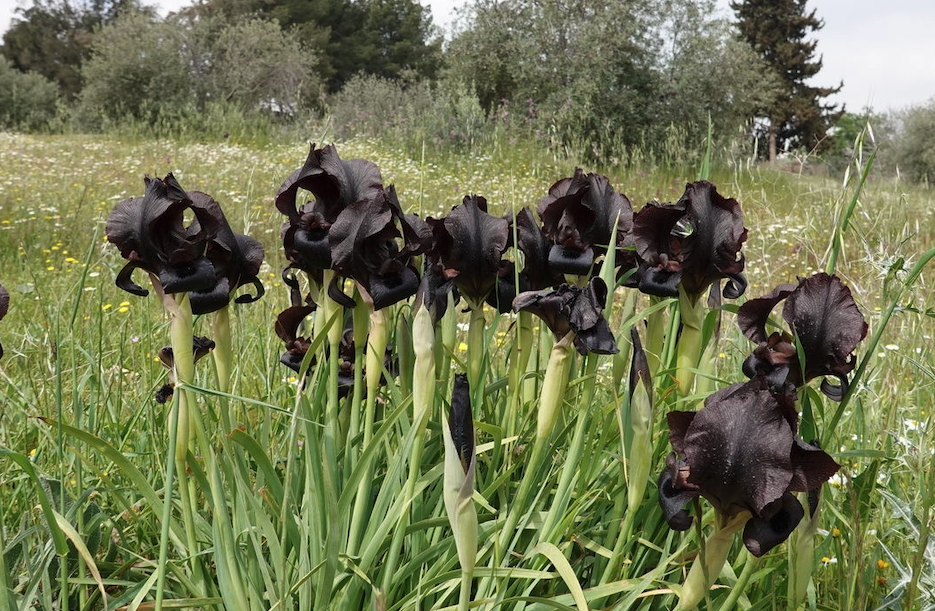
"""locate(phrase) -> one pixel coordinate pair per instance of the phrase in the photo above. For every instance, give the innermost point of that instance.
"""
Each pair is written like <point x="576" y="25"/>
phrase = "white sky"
<point x="884" y="52"/>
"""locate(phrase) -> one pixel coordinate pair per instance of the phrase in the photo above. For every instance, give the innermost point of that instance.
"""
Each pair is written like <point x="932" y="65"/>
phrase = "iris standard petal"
<point x="469" y="244"/>
<point x="578" y="217"/>
<point x="827" y="326"/>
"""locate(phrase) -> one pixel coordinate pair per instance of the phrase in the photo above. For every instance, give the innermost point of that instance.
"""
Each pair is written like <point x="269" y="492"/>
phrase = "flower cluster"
<point x="742" y="451"/>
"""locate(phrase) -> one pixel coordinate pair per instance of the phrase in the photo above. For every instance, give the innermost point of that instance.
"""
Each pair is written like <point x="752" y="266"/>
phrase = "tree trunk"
<point x="772" y="143"/>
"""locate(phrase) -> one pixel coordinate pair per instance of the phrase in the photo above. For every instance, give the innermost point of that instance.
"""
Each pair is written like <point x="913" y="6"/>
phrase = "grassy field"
<point x="80" y="431"/>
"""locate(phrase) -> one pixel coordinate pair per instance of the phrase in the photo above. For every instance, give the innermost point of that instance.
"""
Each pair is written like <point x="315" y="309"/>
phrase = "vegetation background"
<point x="227" y="94"/>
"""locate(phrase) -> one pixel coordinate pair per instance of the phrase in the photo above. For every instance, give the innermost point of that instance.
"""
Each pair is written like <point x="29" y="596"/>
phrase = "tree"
<point x="349" y="37"/>
<point x="148" y="69"/>
<point x="607" y="74"/>
<point x="54" y="37"/>
<point x="777" y="31"/>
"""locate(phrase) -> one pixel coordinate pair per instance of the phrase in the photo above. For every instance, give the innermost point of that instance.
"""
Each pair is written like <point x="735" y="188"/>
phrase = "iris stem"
<point x="376" y="348"/>
<point x="688" y="354"/>
<point x="708" y="563"/>
<point x="223" y="355"/>
<point x="423" y="403"/>
<point x="476" y="356"/>
<point x="655" y="337"/>
<point x="749" y="565"/>
<point x="571" y="466"/>
<point x="520" y="360"/>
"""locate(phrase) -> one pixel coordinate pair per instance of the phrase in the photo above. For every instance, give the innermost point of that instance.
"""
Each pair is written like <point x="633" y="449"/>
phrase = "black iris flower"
<point x="335" y="185"/>
<point x="468" y="245"/>
<point x="536" y="274"/>
<point x="741" y="452"/>
<point x="151" y="233"/>
<point x="205" y="258"/>
<point x="825" y="325"/>
<point x="694" y="242"/>
<point x="572" y="308"/>
<point x="578" y="217"/>
<point x="373" y="242"/>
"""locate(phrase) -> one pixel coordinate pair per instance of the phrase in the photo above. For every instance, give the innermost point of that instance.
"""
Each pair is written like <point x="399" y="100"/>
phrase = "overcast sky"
<point x="884" y="52"/>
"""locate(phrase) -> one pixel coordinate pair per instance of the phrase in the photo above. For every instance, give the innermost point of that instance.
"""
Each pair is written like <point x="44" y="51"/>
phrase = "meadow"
<point x="272" y="512"/>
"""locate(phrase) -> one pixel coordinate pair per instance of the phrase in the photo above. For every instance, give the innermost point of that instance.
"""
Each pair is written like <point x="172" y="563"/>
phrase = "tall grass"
<point x="86" y="463"/>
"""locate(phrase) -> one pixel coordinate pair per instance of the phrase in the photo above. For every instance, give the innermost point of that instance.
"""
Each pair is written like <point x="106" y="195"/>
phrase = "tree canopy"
<point x="778" y="31"/>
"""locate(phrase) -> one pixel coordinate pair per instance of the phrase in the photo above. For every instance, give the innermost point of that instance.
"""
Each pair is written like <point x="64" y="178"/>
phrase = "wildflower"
<point x="151" y="234"/>
<point x="201" y="346"/>
<point x="363" y="241"/>
<point x="825" y="326"/>
<point x="206" y="258"/>
<point x="536" y="273"/>
<point x="336" y="184"/>
<point x="742" y="453"/>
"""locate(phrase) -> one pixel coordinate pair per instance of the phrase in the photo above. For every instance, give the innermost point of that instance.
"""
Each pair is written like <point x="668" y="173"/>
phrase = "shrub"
<point x="914" y="145"/>
<point x="28" y="101"/>
<point x="409" y="113"/>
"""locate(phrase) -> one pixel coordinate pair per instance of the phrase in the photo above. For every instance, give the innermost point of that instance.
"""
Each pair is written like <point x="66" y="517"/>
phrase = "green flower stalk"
<point x="460" y="463"/>
<point x="802" y="554"/>
<point x="423" y="403"/>
<point x="552" y="394"/>
<point x="710" y="560"/>
<point x="692" y="312"/>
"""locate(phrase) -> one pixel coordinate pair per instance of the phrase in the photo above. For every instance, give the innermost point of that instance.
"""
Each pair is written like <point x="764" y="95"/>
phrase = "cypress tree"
<point x="777" y="31"/>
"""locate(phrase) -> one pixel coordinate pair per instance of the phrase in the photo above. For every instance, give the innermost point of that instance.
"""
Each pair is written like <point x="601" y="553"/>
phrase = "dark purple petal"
<point x="460" y="422"/>
<point x="711" y="250"/>
<point x="678" y="428"/>
<point x="570" y="308"/>
<point x="827" y="326"/>
<point x="469" y="244"/>
<point x="535" y="246"/>
<point x="753" y="315"/>
<point x="738" y="448"/>
<point x="762" y="533"/>
<point x="698" y="238"/>
<point x="335" y="183"/>
<point x="675" y="492"/>
<point x="578" y="217"/>
<point x="811" y="466"/>
<point x="151" y="233"/>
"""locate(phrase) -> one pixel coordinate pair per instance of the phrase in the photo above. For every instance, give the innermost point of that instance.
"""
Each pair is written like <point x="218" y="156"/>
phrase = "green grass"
<point x="274" y="500"/>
